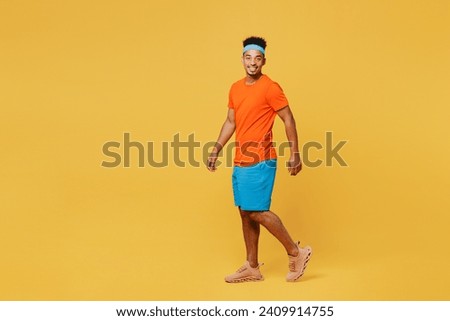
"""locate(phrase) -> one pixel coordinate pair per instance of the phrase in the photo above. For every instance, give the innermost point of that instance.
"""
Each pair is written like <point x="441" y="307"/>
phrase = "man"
<point x="254" y="102"/>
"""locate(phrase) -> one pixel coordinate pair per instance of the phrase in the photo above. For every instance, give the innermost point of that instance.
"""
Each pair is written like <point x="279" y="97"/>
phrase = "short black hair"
<point x="255" y="41"/>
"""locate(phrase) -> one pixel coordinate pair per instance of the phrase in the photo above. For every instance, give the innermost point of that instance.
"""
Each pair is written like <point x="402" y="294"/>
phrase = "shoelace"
<point x="241" y="269"/>
<point x="292" y="265"/>
<point x="244" y="267"/>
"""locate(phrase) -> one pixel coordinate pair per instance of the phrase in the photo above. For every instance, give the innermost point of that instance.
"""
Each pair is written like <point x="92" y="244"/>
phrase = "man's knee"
<point x="245" y="214"/>
<point x="253" y="215"/>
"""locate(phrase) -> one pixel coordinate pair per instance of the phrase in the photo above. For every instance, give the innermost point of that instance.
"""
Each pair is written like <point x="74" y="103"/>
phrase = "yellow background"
<point x="76" y="74"/>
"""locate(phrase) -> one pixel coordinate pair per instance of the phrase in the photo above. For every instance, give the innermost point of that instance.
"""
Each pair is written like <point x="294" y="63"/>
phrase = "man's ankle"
<point x="294" y="251"/>
<point x="253" y="264"/>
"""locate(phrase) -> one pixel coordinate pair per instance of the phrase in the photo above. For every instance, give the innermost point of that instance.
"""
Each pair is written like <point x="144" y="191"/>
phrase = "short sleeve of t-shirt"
<point x="275" y="97"/>
<point x="230" y="101"/>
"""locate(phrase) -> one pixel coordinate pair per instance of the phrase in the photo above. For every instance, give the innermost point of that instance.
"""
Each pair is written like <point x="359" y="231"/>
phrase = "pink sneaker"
<point x="297" y="264"/>
<point x="244" y="274"/>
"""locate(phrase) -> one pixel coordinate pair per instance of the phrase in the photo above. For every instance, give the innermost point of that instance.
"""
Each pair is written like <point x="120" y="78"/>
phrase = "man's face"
<point x="253" y="61"/>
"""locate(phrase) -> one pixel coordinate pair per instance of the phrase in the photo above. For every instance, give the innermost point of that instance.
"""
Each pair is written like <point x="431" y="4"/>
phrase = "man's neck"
<point x="250" y="80"/>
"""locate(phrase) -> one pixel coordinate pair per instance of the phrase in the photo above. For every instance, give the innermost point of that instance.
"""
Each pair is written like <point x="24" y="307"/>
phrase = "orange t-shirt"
<point x="255" y="108"/>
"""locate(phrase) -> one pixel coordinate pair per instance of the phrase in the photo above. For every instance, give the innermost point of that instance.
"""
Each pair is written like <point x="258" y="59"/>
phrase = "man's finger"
<point x="211" y="166"/>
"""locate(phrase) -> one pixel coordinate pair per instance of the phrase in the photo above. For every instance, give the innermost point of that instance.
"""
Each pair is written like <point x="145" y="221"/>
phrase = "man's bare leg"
<point x="251" y="229"/>
<point x="274" y="225"/>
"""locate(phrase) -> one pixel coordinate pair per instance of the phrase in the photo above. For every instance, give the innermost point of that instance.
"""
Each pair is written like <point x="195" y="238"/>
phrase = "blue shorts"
<point x="253" y="185"/>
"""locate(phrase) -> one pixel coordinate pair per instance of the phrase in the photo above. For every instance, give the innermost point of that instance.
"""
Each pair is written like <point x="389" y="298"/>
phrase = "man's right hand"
<point x="212" y="162"/>
<point x="295" y="164"/>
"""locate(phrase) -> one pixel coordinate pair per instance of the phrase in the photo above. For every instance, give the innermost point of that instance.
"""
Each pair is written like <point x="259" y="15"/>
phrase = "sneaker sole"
<point x="246" y="279"/>
<point x="308" y="257"/>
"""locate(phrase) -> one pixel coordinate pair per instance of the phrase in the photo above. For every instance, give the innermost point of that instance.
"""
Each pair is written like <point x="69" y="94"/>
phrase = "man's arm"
<point x="225" y="134"/>
<point x="295" y="163"/>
